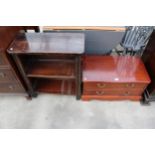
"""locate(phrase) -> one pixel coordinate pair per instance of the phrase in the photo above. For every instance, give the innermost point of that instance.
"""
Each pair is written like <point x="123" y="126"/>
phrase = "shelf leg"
<point x="23" y="74"/>
<point x="78" y="76"/>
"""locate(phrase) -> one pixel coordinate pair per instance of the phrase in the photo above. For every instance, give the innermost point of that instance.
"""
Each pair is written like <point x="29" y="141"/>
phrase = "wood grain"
<point x="116" y="69"/>
<point x="104" y="28"/>
<point x="110" y="97"/>
<point x="111" y="85"/>
<point x="53" y="43"/>
<point x="119" y="92"/>
<point x="63" y="87"/>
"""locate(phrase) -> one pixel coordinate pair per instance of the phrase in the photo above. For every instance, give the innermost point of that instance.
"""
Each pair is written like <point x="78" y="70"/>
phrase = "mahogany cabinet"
<point x="10" y="81"/>
<point x="113" y="78"/>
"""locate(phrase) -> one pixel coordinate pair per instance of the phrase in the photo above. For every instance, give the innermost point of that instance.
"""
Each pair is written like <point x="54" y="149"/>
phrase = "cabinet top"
<point x="63" y="43"/>
<point x="114" y="69"/>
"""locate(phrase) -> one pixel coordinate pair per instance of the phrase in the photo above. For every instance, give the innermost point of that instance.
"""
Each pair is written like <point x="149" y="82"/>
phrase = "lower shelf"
<point x="64" y="87"/>
<point x="51" y="69"/>
<point x="106" y="97"/>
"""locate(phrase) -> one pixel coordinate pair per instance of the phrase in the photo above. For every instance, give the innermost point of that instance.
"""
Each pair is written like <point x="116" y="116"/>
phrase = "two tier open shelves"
<point x="49" y="62"/>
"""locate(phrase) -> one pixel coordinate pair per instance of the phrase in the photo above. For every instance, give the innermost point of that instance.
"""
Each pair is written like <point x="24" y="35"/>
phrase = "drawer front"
<point x="104" y="86"/>
<point x="3" y="60"/>
<point x="6" y="75"/>
<point x="113" y="92"/>
<point x="110" y="97"/>
<point x="11" y="88"/>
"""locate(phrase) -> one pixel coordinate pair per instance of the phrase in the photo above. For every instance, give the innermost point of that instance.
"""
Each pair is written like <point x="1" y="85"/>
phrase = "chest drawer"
<point x="106" y="85"/>
<point x="3" y="60"/>
<point x="11" y="88"/>
<point x="114" y="92"/>
<point x="6" y="75"/>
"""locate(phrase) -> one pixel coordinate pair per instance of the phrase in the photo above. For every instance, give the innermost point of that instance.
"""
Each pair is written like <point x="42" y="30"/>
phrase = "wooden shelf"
<point x="49" y="57"/>
<point x="51" y="69"/>
<point x="63" y="87"/>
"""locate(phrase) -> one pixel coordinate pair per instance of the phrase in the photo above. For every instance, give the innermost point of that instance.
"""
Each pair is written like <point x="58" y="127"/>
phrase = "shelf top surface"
<point x="114" y="69"/>
<point x="63" y="43"/>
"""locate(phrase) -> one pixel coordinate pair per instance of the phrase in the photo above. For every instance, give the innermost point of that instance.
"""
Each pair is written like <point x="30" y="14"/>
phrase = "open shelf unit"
<point x="49" y="62"/>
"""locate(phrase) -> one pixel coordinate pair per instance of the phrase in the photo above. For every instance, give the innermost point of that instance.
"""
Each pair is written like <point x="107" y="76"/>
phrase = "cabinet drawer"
<point x="6" y="75"/>
<point x="11" y="88"/>
<point x="114" y="92"/>
<point x="110" y="97"/>
<point x="106" y="85"/>
<point x="3" y="60"/>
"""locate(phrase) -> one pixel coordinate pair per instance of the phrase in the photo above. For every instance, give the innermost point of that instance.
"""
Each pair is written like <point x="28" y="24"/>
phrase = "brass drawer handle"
<point x="2" y="75"/>
<point x="99" y="92"/>
<point x="130" y="85"/>
<point x="127" y="85"/>
<point x="99" y="85"/>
